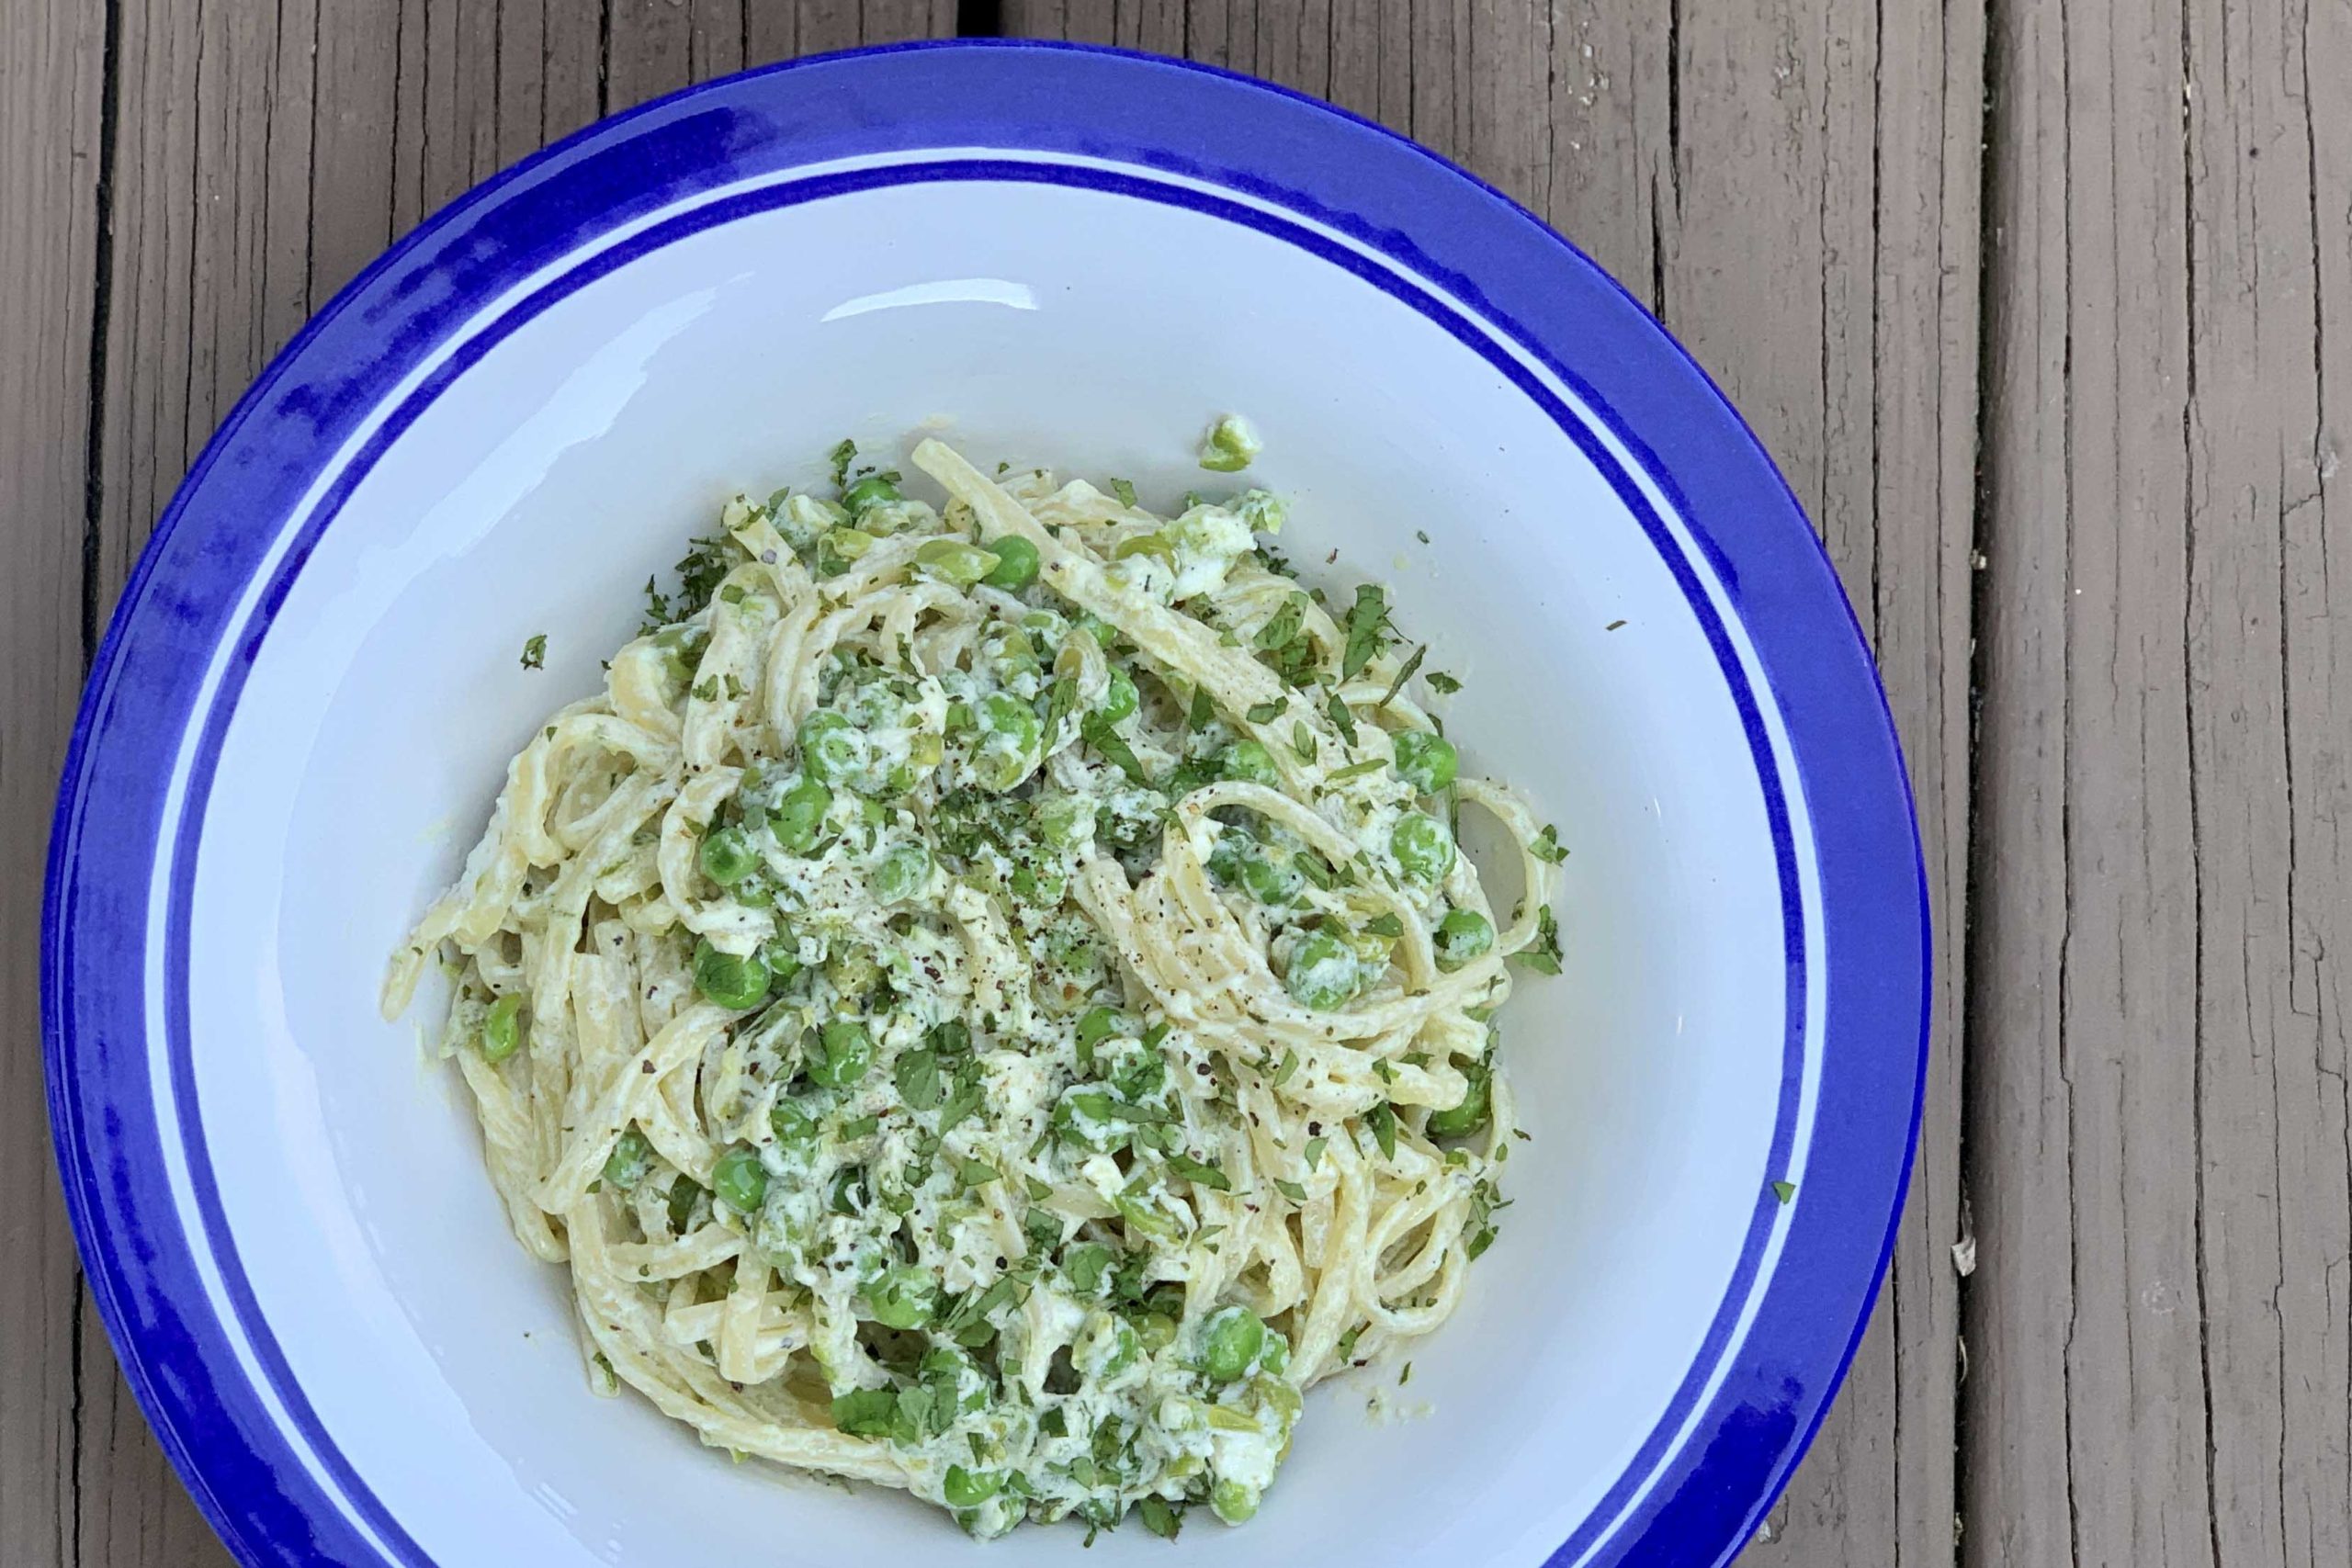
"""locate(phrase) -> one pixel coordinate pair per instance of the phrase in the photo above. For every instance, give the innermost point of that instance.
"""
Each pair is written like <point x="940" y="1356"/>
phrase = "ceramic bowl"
<point x="304" y="705"/>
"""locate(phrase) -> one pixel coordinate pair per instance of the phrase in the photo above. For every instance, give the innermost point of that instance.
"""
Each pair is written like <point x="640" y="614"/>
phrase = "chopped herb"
<point x="1038" y="1190"/>
<point x="1156" y="1515"/>
<point x="1382" y="1120"/>
<point x="917" y="1075"/>
<point x="1547" y="846"/>
<point x="1113" y="746"/>
<point x="1404" y="674"/>
<point x="976" y="1173"/>
<point x="1543" y="955"/>
<point x="706" y="690"/>
<point x="1283" y="628"/>
<point x="1266" y="713"/>
<point x="1405" y="1376"/>
<point x="1443" y="683"/>
<point x="1341" y="719"/>
<point x="1301" y="741"/>
<point x="867" y="1412"/>
<point x="1204" y="708"/>
<point x="1061" y="701"/>
<point x="1315" y="1152"/>
<point x="1387" y="925"/>
<point x="1125" y="491"/>
<point x="1422" y="535"/>
<point x="1367" y="617"/>
<point x="1288" y="1066"/>
<point x="1612" y="625"/>
<point x="1786" y="1192"/>
<point x="842" y="456"/>
<point x="1355" y="770"/>
<point x="1200" y="1175"/>
<point x="1290" y="1190"/>
<point x="732" y="594"/>
<point x="535" y="651"/>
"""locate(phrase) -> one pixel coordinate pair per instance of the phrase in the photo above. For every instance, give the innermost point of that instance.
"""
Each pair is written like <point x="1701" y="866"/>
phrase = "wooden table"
<point x="2045" y="308"/>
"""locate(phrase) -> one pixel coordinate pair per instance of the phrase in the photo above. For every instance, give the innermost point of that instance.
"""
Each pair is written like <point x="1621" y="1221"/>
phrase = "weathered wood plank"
<point x="1827" y="164"/>
<point x="2129" y="631"/>
<point x="52" y="66"/>
<point x="2269" y="648"/>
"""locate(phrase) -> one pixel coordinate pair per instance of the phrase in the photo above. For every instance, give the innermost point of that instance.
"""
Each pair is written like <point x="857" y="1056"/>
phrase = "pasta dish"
<point x="987" y="1000"/>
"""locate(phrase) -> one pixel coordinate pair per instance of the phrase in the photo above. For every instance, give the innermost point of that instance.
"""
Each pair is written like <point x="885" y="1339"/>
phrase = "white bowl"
<point x="304" y="705"/>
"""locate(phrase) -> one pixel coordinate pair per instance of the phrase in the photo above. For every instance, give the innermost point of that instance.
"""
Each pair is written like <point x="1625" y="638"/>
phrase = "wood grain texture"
<point x="2268" y="639"/>
<point x="1795" y="187"/>
<point x="2158" y="1327"/>
<point x="51" y="93"/>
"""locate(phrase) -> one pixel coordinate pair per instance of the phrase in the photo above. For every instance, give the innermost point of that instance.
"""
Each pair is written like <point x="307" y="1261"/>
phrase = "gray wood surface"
<point x="2040" y="306"/>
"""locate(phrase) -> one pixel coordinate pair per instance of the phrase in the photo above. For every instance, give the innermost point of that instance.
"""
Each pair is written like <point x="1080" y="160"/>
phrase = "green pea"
<point x="1426" y="762"/>
<point x="1235" y="1502"/>
<point x="1225" y="861"/>
<point x="902" y="874"/>
<point x="1157" y="1331"/>
<point x="1230" y="1341"/>
<point x="631" y="1158"/>
<point x="1229" y="445"/>
<point x="1009" y="735"/>
<point x="1119" y="698"/>
<point x="1250" y="762"/>
<point x="1472" y="1112"/>
<point x="1109" y="1346"/>
<point x="1103" y="633"/>
<point x="1323" y="971"/>
<point x="755" y="890"/>
<point x="1275" y="1357"/>
<point x="903" y="1298"/>
<point x="800" y="815"/>
<point x="871" y="490"/>
<point x="1008" y="654"/>
<point x="1424" y="850"/>
<point x="740" y="983"/>
<point x="727" y="856"/>
<point x="969" y="1488"/>
<point x="953" y="560"/>
<point x="781" y="955"/>
<point x="841" y="548"/>
<point x="1016" y="564"/>
<point x="845" y="1051"/>
<point x="1463" y="935"/>
<point x="500" y="1031"/>
<point x="1272" y="876"/>
<point x="853" y="972"/>
<point x="828" y="747"/>
<point x="794" y="1122"/>
<point x="739" y="1179"/>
